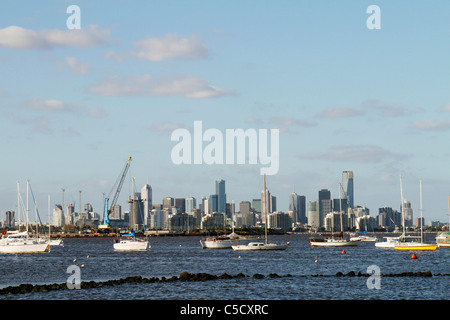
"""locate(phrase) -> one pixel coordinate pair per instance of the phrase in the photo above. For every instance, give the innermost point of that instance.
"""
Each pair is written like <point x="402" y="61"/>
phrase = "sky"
<point x="76" y="103"/>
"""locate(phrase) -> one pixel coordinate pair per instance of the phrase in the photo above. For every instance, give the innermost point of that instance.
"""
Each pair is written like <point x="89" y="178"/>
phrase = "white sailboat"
<point x="415" y="245"/>
<point x="129" y="242"/>
<point x="334" y="242"/>
<point x="443" y="238"/>
<point x="20" y="242"/>
<point x="253" y="246"/>
<point x="222" y="241"/>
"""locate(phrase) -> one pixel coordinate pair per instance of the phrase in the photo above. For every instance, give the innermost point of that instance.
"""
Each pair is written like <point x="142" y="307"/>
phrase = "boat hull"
<point x="17" y="247"/>
<point x="131" y="245"/>
<point x="332" y="243"/>
<point x="256" y="246"/>
<point x="416" y="247"/>
<point x="218" y="244"/>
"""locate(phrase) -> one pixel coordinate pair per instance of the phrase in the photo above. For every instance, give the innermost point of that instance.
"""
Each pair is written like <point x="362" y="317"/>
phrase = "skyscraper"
<point x="221" y="199"/>
<point x="213" y="203"/>
<point x="297" y="204"/>
<point x="146" y="198"/>
<point x="191" y="204"/>
<point x="347" y="184"/>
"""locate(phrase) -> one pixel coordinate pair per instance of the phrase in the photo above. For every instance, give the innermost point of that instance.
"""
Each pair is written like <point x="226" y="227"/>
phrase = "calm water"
<point x="170" y="256"/>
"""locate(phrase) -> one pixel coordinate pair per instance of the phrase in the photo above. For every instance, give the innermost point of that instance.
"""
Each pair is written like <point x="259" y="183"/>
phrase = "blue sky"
<point x="74" y="105"/>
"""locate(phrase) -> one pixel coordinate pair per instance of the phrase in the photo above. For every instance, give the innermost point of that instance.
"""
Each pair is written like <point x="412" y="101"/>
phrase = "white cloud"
<point x="164" y="127"/>
<point x="167" y="47"/>
<point x="340" y="112"/>
<point x="353" y="153"/>
<point x="15" y="37"/>
<point x="445" y="108"/>
<point x="431" y="125"/>
<point x="385" y="110"/>
<point x="186" y="86"/>
<point x="52" y="105"/>
<point x="76" y="67"/>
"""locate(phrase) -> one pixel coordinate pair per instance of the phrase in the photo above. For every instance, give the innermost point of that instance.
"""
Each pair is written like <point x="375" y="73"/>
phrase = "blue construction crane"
<point x="105" y="223"/>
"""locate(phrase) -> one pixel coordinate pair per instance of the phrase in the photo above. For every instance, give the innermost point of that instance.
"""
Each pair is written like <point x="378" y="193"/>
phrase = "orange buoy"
<point x="343" y="251"/>
<point x="413" y="256"/>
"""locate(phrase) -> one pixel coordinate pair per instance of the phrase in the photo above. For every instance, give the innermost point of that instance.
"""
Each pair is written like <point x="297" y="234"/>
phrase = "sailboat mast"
<point x="340" y="210"/>
<point x="265" y="207"/>
<point x="28" y="209"/>
<point x="421" y="221"/>
<point x="402" y="205"/>
<point x="18" y="202"/>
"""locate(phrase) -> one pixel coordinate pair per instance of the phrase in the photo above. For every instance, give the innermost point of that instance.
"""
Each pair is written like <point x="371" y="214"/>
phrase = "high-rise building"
<point x="347" y="185"/>
<point x="313" y="214"/>
<point x="408" y="212"/>
<point x="180" y="204"/>
<point x="146" y="198"/>
<point x="191" y="204"/>
<point x="325" y="204"/>
<point x="58" y="216"/>
<point x="10" y="219"/>
<point x="213" y="203"/>
<point x="221" y="196"/>
<point x="168" y="202"/>
<point x="297" y="204"/>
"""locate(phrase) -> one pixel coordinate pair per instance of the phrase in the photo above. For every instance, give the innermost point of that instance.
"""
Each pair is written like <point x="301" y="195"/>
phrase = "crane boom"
<point x="105" y="224"/>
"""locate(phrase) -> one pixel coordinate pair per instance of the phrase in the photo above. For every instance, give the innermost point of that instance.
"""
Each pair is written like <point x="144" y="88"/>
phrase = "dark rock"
<point x="258" y="276"/>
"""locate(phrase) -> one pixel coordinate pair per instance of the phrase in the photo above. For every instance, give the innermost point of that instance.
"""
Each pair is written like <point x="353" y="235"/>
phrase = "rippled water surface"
<point x="170" y="256"/>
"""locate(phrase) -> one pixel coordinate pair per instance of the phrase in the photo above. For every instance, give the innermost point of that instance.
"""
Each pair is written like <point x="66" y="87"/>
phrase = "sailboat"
<point x="221" y="241"/>
<point x="443" y="238"/>
<point x="129" y="242"/>
<point x="334" y="242"/>
<point x="20" y="242"/>
<point x="416" y="245"/>
<point x="253" y="246"/>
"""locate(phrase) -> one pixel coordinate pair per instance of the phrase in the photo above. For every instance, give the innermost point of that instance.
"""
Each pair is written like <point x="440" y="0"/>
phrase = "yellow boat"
<point x="416" y="246"/>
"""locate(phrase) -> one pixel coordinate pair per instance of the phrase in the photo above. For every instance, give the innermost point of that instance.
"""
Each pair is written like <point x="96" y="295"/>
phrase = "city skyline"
<point x="76" y="103"/>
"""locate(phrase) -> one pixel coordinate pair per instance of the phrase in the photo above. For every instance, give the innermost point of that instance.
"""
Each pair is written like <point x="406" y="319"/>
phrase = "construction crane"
<point x="105" y="223"/>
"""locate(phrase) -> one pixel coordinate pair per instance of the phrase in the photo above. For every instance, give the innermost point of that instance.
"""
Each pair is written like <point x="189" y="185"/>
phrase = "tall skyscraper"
<point x="324" y="204"/>
<point x="213" y="203"/>
<point x="146" y="198"/>
<point x="297" y="204"/>
<point x="221" y="198"/>
<point x="347" y="185"/>
<point x="190" y="204"/>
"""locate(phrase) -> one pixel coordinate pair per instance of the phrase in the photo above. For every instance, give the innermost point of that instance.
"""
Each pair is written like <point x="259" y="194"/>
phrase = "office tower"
<point x="136" y="211"/>
<point x="146" y="198"/>
<point x="191" y="204"/>
<point x="58" y="216"/>
<point x="294" y="205"/>
<point x="272" y="204"/>
<point x="302" y="210"/>
<point x="202" y="206"/>
<point x="10" y="219"/>
<point x="247" y="214"/>
<point x="180" y="204"/>
<point x="313" y="215"/>
<point x="221" y="198"/>
<point x="297" y="204"/>
<point x="347" y="185"/>
<point x="213" y="203"/>
<point x="325" y="204"/>
<point x="116" y="212"/>
<point x="265" y="204"/>
<point x="168" y="202"/>
<point x="256" y="205"/>
<point x="408" y="212"/>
